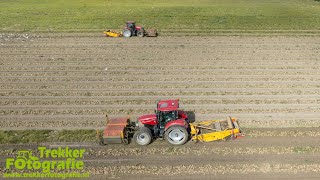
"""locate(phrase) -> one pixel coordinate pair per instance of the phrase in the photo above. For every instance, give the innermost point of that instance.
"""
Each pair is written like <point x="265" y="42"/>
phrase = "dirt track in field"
<point x="272" y="82"/>
<point x="72" y="82"/>
<point x="261" y="154"/>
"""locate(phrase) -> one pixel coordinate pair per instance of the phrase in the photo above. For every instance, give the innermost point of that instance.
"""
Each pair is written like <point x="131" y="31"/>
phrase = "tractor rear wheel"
<point x="127" y="33"/>
<point x="140" y="34"/>
<point x="143" y="136"/>
<point x="177" y="135"/>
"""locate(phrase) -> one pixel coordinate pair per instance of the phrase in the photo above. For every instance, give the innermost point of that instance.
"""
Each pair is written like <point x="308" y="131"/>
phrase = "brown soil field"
<point x="270" y="83"/>
<point x="262" y="154"/>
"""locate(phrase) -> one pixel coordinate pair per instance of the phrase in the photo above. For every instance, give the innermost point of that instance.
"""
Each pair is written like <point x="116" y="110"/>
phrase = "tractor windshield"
<point x="130" y="25"/>
<point x="167" y="116"/>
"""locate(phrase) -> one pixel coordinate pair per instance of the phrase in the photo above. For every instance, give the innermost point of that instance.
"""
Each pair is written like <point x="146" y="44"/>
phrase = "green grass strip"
<point x="43" y="136"/>
<point x="194" y="15"/>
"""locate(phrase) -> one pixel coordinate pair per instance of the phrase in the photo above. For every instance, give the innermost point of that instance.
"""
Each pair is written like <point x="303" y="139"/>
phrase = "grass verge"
<point x="165" y="15"/>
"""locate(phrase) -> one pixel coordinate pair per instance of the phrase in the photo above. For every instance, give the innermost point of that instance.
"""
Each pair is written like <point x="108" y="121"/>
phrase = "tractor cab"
<point x="131" y="25"/>
<point x="166" y="119"/>
<point x="167" y="111"/>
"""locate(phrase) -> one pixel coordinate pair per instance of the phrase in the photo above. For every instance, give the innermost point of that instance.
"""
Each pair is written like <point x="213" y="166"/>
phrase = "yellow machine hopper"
<point x="109" y="33"/>
<point x="213" y="130"/>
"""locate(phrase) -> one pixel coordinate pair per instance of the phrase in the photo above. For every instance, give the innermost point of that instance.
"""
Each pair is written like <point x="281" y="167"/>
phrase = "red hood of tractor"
<point x="150" y="119"/>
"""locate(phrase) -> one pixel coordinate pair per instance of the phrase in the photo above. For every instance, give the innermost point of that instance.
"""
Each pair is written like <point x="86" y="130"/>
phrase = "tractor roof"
<point x="168" y="105"/>
<point x="130" y="22"/>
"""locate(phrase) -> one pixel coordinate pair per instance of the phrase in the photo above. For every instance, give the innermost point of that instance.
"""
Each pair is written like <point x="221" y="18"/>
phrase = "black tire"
<point x="143" y="136"/>
<point x="140" y="34"/>
<point x="125" y="141"/>
<point x="127" y="33"/>
<point x="177" y="135"/>
<point x="101" y="142"/>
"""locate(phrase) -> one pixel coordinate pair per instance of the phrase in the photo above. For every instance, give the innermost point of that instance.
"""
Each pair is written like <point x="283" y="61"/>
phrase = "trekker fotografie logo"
<point x="51" y="163"/>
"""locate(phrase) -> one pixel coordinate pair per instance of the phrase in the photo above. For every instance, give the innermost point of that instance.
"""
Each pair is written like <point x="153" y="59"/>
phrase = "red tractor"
<point x="168" y="122"/>
<point x="132" y="30"/>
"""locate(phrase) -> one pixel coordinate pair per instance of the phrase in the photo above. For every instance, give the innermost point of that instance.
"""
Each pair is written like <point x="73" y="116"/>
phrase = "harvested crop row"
<point x="160" y="70"/>
<point x="158" y="94"/>
<point x="156" y="86"/>
<point x="143" y="101"/>
<point x="57" y="122"/>
<point x="102" y="76"/>
<point x="91" y="110"/>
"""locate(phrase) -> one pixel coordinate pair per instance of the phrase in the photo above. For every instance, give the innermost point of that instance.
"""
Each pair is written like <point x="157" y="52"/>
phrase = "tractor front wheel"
<point x="127" y="33"/>
<point x="143" y="136"/>
<point x="177" y="135"/>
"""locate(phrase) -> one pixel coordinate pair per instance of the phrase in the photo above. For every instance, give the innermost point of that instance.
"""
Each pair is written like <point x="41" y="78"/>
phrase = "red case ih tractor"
<point x="170" y="123"/>
<point x="132" y="30"/>
<point x="167" y="122"/>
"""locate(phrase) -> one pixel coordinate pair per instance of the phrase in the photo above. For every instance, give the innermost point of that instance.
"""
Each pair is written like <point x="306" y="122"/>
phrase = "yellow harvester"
<point x="213" y="130"/>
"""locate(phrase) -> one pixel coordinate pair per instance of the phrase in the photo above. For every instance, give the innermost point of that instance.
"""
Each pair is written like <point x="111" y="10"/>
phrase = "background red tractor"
<point x="132" y="30"/>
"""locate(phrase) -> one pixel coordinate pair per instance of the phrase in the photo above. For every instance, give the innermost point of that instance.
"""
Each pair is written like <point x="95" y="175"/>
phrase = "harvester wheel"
<point x="143" y="136"/>
<point x="140" y="34"/>
<point x="127" y="33"/>
<point x="177" y="135"/>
